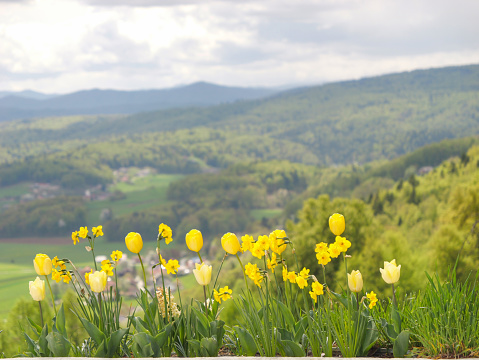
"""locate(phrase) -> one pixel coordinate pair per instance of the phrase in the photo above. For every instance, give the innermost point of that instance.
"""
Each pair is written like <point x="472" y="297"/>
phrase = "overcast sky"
<point x="59" y="46"/>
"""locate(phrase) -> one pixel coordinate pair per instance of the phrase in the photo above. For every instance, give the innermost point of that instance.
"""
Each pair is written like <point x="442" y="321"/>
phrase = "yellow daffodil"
<point x="42" y="264"/>
<point x="162" y="261"/>
<point x="337" y="224"/>
<point x="37" y="289"/>
<point x="301" y="281"/>
<point x="56" y="275"/>
<point x="263" y="242"/>
<point x="98" y="231"/>
<point x="250" y="269"/>
<point x="75" y="237"/>
<point x="134" y="242"/>
<point x="165" y="232"/>
<point x="342" y="243"/>
<point x="83" y="233"/>
<point x="323" y="258"/>
<point x="257" y="250"/>
<point x="372" y="297"/>
<point x="304" y="273"/>
<point x="334" y="251"/>
<point x="116" y="255"/>
<point x="272" y="263"/>
<point x="230" y="243"/>
<point x="107" y="267"/>
<point x="172" y="266"/>
<point x="313" y="296"/>
<point x="391" y="272"/>
<point x="285" y="273"/>
<point x="66" y="278"/>
<point x="97" y="281"/>
<point x="355" y="281"/>
<point x="247" y="242"/>
<point x="87" y="276"/>
<point x="194" y="240"/>
<point x="203" y="273"/>
<point x="317" y="288"/>
<point x="277" y="241"/>
<point x="321" y="247"/>
<point x="292" y="277"/>
<point x="223" y="294"/>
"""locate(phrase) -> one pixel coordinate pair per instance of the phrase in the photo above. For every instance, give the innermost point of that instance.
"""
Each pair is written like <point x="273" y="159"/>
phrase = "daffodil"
<point x="107" y="267"/>
<point x="247" y="242"/>
<point x="83" y="233"/>
<point x="323" y="258"/>
<point x="172" y="266"/>
<point x="334" y="250"/>
<point x="98" y="231"/>
<point x="317" y="288"/>
<point x="223" y="294"/>
<point x="75" y="237"/>
<point x="165" y="232"/>
<point x="372" y="297"/>
<point x="277" y="241"/>
<point x="116" y="255"/>
<point x="342" y="243"/>
<point x="301" y="281"/>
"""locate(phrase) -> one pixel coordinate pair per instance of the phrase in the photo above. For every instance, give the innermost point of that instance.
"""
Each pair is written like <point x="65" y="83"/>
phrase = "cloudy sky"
<point x="59" y="46"/>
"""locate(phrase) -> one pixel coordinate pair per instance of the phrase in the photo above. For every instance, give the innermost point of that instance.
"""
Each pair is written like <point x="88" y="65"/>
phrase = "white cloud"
<point x="66" y="45"/>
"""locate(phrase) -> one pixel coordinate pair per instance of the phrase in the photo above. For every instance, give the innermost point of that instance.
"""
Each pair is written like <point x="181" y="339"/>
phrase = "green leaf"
<point x="287" y="315"/>
<point x="35" y="326"/>
<point x="401" y="344"/>
<point x="141" y="345"/>
<point x="292" y="349"/>
<point x="247" y="342"/>
<point x="285" y="334"/>
<point x="101" y="351"/>
<point x="60" y="322"/>
<point x="210" y="345"/>
<point x="32" y="347"/>
<point x="95" y="333"/>
<point x="342" y="299"/>
<point x="195" y="347"/>
<point x="370" y="336"/>
<point x="43" y="342"/>
<point x="114" y="341"/>
<point x="396" y="319"/>
<point x="58" y="344"/>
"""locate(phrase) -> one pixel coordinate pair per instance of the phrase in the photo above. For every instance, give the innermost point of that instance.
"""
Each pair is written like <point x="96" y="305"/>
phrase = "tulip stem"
<point x="101" y="312"/>
<point x="357" y="299"/>
<point x="41" y="312"/>
<point x="201" y="260"/>
<point x="221" y="265"/>
<point x="244" y="273"/>
<point x="163" y="280"/>
<point x="143" y="268"/>
<point x="51" y="293"/>
<point x="395" y="304"/>
<point x="206" y="303"/>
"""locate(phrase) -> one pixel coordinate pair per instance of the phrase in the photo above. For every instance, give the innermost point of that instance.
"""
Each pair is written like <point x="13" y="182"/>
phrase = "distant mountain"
<point x="30" y="104"/>
<point x="28" y="94"/>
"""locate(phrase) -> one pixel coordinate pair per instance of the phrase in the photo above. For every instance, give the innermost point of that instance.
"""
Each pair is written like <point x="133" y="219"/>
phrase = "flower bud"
<point x="42" y="264"/>
<point x="337" y="224"/>
<point x="355" y="281"/>
<point x="391" y="272"/>
<point x="194" y="240"/>
<point x="37" y="289"/>
<point x="203" y="273"/>
<point x="97" y="281"/>
<point x="134" y="242"/>
<point x="230" y="243"/>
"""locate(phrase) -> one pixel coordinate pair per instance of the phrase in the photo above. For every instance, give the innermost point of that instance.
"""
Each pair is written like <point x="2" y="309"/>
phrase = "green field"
<point x="258" y="214"/>
<point x="13" y="285"/>
<point x="14" y="190"/>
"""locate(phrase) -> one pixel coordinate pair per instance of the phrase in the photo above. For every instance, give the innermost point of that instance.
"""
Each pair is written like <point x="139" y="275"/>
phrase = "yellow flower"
<point x="116" y="255"/>
<point x="292" y="277"/>
<point x="276" y="239"/>
<point x="257" y="250"/>
<point x="107" y="267"/>
<point x="337" y="224"/>
<point x="162" y="261"/>
<point x="313" y="296"/>
<point x="223" y="294"/>
<point x="194" y="240"/>
<point x="37" y="289"/>
<point x="301" y="281"/>
<point x="165" y="232"/>
<point x="334" y="251"/>
<point x="250" y="269"/>
<point x="134" y="242"/>
<point x="98" y="231"/>
<point x="342" y="243"/>
<point x="247" y="242"/>
<point x="391" y="272"/>
<point x="285" y="273"/>
<point x="83" y="233"/>
<point x="372" y="297"/>
<point x="58" y="263"/>
<point x="323" y="258"/>
<point x="272" y="263"/>
<point x="56" y="275"/>
<point x="66" y="278"/>
<point x="87" y="276"/>
<point x="42" y="264"/>
<point x="97" y="281"/>
<point x="321" y="247"/>
<point x="304" y="273"/>
<point x="230" y="243"/>
<point x="263" y="242"/>
<point x="75" y="237"/>
<point x="257" y="278"/>
<point x="172" y="266"/>
<point x="203" y="273"/>
<point x="355" y="281"/>
<point x="317" y="288"/>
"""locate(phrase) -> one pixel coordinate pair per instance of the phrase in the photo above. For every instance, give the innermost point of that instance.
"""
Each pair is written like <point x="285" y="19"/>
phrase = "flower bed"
<point x="285" y="310"/>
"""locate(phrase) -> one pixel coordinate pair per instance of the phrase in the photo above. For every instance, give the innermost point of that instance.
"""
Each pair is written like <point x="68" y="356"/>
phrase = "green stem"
<point x="101" y="311"/>
<point x="143" y="268"/>
<point x="162" y="279"/>
<point x="201" y="260"/>
<point x="51" y="293"/>
<point x="357" y="299"/>
<point x="41" y="312"/>
<point x="394" y="297"/>
<point x="206" y="303"/>
<point x="92" y="246"/>
<point x="221" y="265"/>
<point x="244" y="273"/>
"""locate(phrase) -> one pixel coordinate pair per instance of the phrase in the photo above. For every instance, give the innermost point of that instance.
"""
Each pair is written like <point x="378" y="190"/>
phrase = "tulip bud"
<point x="37" y="289"/>
<point x="97" y="281"/>
<point x="230" y="243"/>
<point x="355" y="281"/>
<point x="203" y="273"/>
<point x="391" y="272"/>
<point x="337" y="224"/>
<point x="42" y="264"/>
<point x="194" y="240"/>
<point x="134" y="242"/>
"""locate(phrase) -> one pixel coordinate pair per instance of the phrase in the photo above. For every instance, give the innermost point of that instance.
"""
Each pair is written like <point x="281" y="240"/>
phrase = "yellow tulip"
<point x="230" y="243"/>
<point x="355" y="281"/>
<point x="194" y="240"/>
<point x="42" y="264"/>
<point x="391" y="272"/>
<point x="97" y="281"/>
<point x="337" y="224"/>
<point x="134" y="242"/>
<point x="203" y="273"/>
<point x="37" y="289"/>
